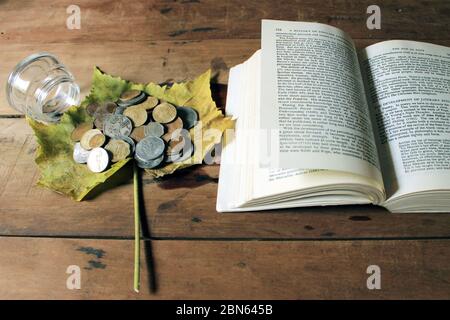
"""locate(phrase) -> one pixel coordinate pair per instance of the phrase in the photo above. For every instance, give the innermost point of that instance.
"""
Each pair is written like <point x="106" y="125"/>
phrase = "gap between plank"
<point x="90" y="237"/>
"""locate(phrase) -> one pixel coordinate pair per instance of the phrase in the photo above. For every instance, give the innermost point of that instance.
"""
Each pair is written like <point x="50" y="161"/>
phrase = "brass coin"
<point x="129" y="94"/>
<point x="80" y="130"/>
<point x="103" y="111"/>
<point x="136" y="114"/>
<point x="149" y="103"/>
<point x="138" y="133"/>
<point x="174" y="125"/>
<point x="175" y="145"/>
<point x="119" y="149"/>
<point x="167" y="137"/>
<point x="91" y="108"/>
<point x="109" y="107"/>
<point x="91" y="139"/>
<point x="164" y="113"/>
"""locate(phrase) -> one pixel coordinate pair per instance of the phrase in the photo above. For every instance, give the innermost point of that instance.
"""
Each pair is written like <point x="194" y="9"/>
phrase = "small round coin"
<point x="138" y="99"/>
<point x="129" y="141"/>
<point x="154" y="129"/>
<point x="98" y="160"/>
<point x="150" y="148"/>
<point x="185" y="153"/>
<point x="149" y="103"/>
<point x="129" y="94"/>
<point x="175" y="134"/>
<point x="175" y="145"/>
<point x="138" y="133"/>
<point x="137" y="114"/>
<point x="80" y="155"/>
<point x="119" y="149"/>
<point x="91" y="108"/>
<point x="102" y="113"/>
<point x="93" y="138"/>
<point x="80" y="130"/>
<point x="189" y="116"/>
<point x="119" y="110"/>
<point x="151" y="163"/>
<point x="110" y="107"/>
<point x="164" y="113"/>
<point x="117" y="125"/>
<point x="176" y="124"/>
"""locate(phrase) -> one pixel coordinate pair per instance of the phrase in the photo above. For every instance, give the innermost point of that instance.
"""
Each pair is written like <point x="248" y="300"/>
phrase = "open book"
<point x="345" y="127"/>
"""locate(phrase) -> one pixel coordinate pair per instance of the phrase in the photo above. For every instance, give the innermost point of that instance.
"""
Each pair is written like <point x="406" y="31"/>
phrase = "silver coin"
<point x="98" y="160"/>
<point x="129" y="141"/>
<point x="154" y="129"/>
<point x="119" y="110"/>
<point x="185" y="152"/>
<point x="117" y="125"/>
<point x="151" y="163"/>
<point x="150" y="148"/>
<point x="100" y="116"/>
<point x="80" y="155"/>
<point x="188" y="115"/>
<point x="140" y="98"/>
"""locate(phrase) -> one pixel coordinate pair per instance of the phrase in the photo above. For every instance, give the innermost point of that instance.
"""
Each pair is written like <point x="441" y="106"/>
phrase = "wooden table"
<point x="193" y="251"/>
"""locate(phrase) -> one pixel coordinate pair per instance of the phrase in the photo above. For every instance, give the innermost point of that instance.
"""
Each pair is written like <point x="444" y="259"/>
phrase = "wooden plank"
<point x="225" y="270"/>
<point x="141" y="61"/>
<point x="42" y="22"/>
<point x="179" y="206"/>
<point x="136" y="61"/>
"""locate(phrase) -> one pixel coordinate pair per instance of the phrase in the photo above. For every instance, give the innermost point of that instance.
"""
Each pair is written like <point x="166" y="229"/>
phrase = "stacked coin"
<point x="153" y="131"/>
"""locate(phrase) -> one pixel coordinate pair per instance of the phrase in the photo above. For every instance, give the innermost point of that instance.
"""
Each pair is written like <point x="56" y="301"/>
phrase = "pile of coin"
<point x="136" y="125"/>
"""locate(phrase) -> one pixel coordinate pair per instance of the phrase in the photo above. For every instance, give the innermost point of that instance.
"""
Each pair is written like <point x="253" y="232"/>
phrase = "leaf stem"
<point x="137" y="235"/>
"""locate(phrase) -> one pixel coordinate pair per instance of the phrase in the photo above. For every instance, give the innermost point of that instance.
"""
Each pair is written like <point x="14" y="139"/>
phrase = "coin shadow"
<point x="122" y="176"/>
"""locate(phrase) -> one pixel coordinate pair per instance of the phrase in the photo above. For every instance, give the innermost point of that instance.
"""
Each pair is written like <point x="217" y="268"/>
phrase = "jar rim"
<point x="20" y="67"/>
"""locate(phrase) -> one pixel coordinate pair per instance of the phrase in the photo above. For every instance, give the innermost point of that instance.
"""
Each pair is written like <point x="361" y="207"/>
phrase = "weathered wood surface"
<point x="160" y="40"/>
<point x="158" y="61"/>
<point x="45" y="22"/>
<point x="36" y="269"/>
<point x="173" y="40"/>
<point x="179" y="206"/>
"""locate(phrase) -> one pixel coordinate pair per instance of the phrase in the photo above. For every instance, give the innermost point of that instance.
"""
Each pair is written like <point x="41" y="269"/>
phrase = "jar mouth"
<point x="40" y="87"/>
<point x="19" y="68"/>
<point x="56" y="95"/>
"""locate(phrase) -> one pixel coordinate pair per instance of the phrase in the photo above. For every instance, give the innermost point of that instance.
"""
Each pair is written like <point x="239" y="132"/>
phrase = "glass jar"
<point x="42" y="88"/>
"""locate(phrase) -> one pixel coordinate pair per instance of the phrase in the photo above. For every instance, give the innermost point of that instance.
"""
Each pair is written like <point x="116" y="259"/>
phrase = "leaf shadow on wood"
<point x="121" y="177"/>
<point x="191" y="178"/>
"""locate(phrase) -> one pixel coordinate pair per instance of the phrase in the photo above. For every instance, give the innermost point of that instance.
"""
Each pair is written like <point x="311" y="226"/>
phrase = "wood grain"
<point x="225" y="270"/>
<point x="45" y="22"/>
<point x="179" y="206"/>
<point x="158" y="61"/>
<point x="136" y="61"/>
<point x="160" y="40"/>
<point x="174" y="40"/>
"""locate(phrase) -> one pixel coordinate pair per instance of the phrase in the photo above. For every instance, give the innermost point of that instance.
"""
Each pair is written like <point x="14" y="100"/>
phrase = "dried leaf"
<point x="54" y="157"/>
<point x="195" y="94"/>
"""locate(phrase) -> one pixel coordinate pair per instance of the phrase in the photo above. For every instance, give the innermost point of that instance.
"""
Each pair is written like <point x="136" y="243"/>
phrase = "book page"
<point x="408" y="90"/>
<point x="312" y="97"/>
<point x="244" y="185"/>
